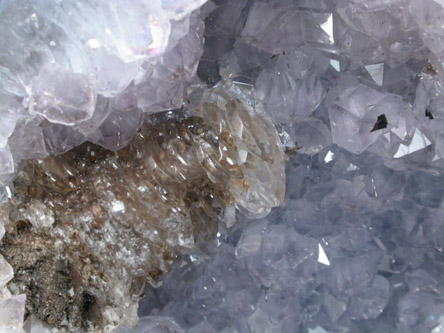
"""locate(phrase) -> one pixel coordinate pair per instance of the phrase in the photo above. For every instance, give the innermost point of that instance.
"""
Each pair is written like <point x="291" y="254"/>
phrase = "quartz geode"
<point x="87" y="229"/>
<point x="355" y="86"/>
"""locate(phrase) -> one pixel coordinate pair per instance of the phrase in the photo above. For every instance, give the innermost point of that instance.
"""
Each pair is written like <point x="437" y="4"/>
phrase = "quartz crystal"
<point x="11" y="313"/>
<point x="69" y="68"/>
<point x="351" y="90"/>
<point x="356" y="247"/>
<point x="87" y="229"/>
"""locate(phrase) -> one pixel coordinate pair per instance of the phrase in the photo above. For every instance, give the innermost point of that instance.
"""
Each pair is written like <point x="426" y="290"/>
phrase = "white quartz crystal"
<point x="6" y="272"/>
<point x="12" y="311"/>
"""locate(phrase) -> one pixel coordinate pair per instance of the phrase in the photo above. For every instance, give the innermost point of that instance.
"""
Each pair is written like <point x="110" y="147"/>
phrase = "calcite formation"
<point x="87" y="229"/>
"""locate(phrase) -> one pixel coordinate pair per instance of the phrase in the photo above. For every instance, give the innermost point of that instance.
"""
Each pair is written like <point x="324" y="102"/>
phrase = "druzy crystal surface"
<point x="87" y="229"/>
<point x="351" y="90"/>
<point x="70" y="70"/>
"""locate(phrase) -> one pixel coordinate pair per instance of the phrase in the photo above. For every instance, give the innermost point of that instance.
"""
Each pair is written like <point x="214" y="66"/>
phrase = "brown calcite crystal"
<point x="87" y="229"/>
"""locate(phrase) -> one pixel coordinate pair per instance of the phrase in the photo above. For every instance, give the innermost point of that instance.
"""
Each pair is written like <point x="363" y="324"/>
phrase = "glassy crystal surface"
<point x="87" y="229"/>
<point x="62" y="63"/>
<point x="354" y="89"/>
<point x="355" y="247"/>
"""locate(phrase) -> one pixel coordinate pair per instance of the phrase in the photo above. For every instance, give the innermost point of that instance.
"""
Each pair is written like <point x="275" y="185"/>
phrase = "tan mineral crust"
<point x="86" y="230"/>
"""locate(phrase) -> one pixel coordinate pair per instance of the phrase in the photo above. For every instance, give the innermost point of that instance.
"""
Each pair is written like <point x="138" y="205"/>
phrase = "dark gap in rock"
<point x="88" y="302"/>
<point x="381" y="123"/>
<point x="429" y="114"/>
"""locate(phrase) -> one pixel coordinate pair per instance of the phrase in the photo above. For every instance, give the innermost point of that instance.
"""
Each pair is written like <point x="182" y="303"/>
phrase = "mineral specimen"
<point x="101" y="50"/>
<point x="87" y="229"/>
<point x="358" y="244"/>
<point x="355" y="88"/>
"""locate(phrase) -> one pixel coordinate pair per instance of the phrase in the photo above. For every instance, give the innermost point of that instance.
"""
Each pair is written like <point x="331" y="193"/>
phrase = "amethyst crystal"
<point x="87" y="229"/>
<point x="352" y="91"/>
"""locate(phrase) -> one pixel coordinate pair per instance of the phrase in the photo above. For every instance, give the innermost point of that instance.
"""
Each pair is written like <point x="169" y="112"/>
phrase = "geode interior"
<point x="355" y="89"/>
<point x="87" y="229"/>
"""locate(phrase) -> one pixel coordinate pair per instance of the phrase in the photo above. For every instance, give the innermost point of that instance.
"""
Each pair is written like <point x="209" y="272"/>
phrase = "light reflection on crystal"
<point x="418" y="142"/>
<point x="336" y="65"/>
<point x="376" y="71"/>
<point x="329" y="157"/>
<point x="322" y="257"/>
<point x="328" y="28"/>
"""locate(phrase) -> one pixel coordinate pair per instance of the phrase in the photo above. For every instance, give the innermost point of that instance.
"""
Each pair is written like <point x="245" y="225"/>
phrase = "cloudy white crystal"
<point x="6" y="272"/>
<point x="12" y="311"/>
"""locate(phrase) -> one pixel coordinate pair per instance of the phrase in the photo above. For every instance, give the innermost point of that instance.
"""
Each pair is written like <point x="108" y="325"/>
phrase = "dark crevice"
<point x="381" y="123"/>
<point x="429" y="114"/>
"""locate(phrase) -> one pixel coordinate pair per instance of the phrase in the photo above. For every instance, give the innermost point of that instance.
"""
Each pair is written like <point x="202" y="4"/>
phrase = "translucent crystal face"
<point x="355" y="88"/>
<point x="67" y="68"/>
<point x="52" y="100"/>
<point x="98" y="225"/>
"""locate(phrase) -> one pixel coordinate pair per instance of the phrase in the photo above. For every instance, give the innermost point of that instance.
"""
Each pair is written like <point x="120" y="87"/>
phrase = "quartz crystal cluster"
<point x="72" y="71"/>
<point x="355" y="93"/>
<point x="357" y="246"/>
<point x="87" y="229"/>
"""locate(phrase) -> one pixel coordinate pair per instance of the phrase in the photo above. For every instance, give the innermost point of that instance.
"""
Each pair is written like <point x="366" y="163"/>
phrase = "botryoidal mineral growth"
<point x="87" y="229"/>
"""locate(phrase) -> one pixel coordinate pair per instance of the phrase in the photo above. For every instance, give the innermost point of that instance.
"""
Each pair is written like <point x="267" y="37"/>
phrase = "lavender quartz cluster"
<point x="77" y="71"/>
<point x="356" y="89"/>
